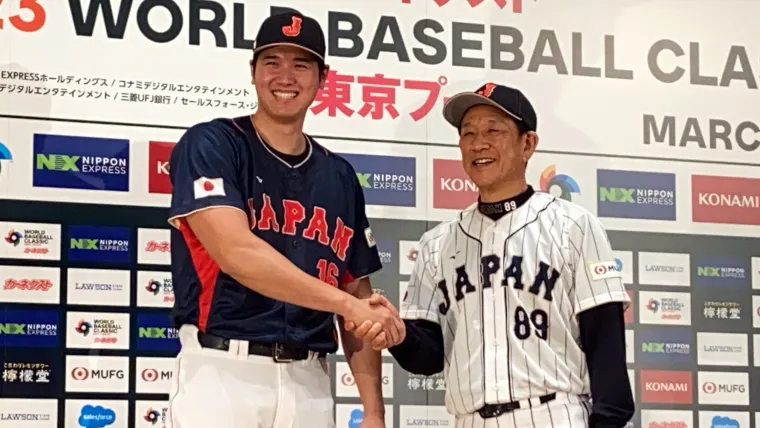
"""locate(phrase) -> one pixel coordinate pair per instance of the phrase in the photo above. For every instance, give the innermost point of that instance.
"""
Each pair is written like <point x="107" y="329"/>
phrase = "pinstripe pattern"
<point x="496" y="349"/>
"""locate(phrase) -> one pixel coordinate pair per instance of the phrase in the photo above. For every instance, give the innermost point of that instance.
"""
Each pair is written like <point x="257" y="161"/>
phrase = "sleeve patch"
<point x="370" y="237"/>
<point x="604" y="270"/>
<point x="205" y="187"/>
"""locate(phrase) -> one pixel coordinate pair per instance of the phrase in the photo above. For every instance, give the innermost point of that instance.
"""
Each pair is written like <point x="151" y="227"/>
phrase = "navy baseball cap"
<point x="509" y="100"/>
<point x="291" y="29"/>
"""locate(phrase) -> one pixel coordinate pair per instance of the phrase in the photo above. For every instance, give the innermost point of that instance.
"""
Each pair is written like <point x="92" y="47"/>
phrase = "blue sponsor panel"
<point x="156" y="333"/>
<point x="386" y="180"/>
<point x="664" y="346"/>
<point x="74" y="162"/>
<point x="385" y="248"/>
<point x="30" y="374"/>
<point x="99" y="244"/>
<point x="721" y="271"/>
<point x="30" y="329"/>
<point x="636" y="194"/>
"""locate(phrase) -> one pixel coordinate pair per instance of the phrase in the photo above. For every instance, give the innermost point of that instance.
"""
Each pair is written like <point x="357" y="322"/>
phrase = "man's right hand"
<point x="381" y="318"/>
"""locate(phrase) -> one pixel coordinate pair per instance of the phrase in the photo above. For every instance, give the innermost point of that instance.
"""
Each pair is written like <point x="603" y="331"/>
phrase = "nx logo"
<point x="12" y="328"/>
<point x="57" y="162"/>
<point x="616" y="194"/>
<point x="84" y="244"/>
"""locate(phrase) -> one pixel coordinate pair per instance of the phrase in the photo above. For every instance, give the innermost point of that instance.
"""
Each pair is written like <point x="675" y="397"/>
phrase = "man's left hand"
<point x="373" y="421"/>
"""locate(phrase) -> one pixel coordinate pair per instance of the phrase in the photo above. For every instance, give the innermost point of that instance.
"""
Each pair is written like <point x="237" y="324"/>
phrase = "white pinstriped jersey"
<point x="507" y="294"/>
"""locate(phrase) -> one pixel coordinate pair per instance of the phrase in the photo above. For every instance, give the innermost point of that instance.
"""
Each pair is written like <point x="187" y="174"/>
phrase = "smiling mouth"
<point x="285" y="95"/>
<point x="483" y="162"/>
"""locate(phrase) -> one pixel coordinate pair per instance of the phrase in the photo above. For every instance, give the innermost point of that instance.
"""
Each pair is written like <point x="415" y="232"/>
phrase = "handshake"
<point x="377" y="322"/>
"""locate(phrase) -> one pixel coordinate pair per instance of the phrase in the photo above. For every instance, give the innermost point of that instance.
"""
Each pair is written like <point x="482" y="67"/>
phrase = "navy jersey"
<point x="313" y="213"/>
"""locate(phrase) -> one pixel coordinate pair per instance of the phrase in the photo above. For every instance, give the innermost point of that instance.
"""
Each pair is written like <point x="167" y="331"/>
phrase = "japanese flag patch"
<point x="370" y="237"/>
<point x="205" y="187"/>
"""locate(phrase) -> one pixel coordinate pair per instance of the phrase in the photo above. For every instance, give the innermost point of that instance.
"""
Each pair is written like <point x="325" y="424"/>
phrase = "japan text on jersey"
<point x="507" y="294"/>
<point x="313" y="213"/>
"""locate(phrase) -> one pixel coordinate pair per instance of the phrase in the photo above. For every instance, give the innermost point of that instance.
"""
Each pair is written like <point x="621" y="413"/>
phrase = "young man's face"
<point x="287" y="80"/>
<point x="493" y="150"/>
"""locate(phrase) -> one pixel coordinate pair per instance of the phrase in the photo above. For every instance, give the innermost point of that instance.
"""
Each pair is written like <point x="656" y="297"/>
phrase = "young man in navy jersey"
<point x="270" y="242"/>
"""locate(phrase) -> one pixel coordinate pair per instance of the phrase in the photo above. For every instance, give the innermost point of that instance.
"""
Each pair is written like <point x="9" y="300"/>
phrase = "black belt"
<point x="495" y="410"/>
<point x="279" y="352"/>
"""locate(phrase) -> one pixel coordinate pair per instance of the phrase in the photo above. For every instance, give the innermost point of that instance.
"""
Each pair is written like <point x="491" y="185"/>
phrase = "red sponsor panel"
<point x="158" y="167"/>
<point x="728" y="200"/>
<point x="629" y="312"/>
<point x="452" y="189"/>
<point x="660" y="386"/>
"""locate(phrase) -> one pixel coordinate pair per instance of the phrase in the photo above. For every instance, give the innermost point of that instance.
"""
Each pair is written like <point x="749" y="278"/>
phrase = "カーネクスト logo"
<point x="561" y="185"/>
<point x="385" y="180"/>
<point x="72" y="162"/>
<point x="99" y="244"/>
<point x="635" y="194"/>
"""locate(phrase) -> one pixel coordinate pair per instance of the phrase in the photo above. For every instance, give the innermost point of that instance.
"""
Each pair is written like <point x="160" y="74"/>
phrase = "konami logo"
<point x="452" y="189"/>
<point x="727" y="200"/>
<point x="673" y="387"/>
<point x="158" y="167"/>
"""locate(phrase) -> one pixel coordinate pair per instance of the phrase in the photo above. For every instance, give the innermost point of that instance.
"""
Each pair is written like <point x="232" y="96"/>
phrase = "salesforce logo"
<point x="355" y="419"/>
<point x="96" y="417"/>
<point x="724" y="422"/>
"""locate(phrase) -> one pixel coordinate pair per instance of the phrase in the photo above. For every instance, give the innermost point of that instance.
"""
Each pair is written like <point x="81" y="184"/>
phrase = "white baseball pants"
<point x="231" y="389"/>
<point x="563" y="412"/>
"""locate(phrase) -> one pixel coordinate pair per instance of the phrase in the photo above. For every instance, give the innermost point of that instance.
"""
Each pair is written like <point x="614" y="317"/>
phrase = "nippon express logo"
<point x="722" y="272"/>
<point x="88" y="163"/>
<point x="29" y="329"/>
<point x="386" y="180"/>
<point x="154" y="332"/>
<point x="664" y="345"/>
<point x="560" y="185"/>
<point x="96" y="417"/>
<point x="99" y="244"/>
<point x="635" y="194"/>
<point x="384" y="249"/>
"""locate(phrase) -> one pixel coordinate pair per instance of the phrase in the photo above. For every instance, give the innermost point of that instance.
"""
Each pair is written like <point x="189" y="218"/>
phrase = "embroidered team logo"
<point x="487" y="90"/>
<point x="294" y="28"/>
